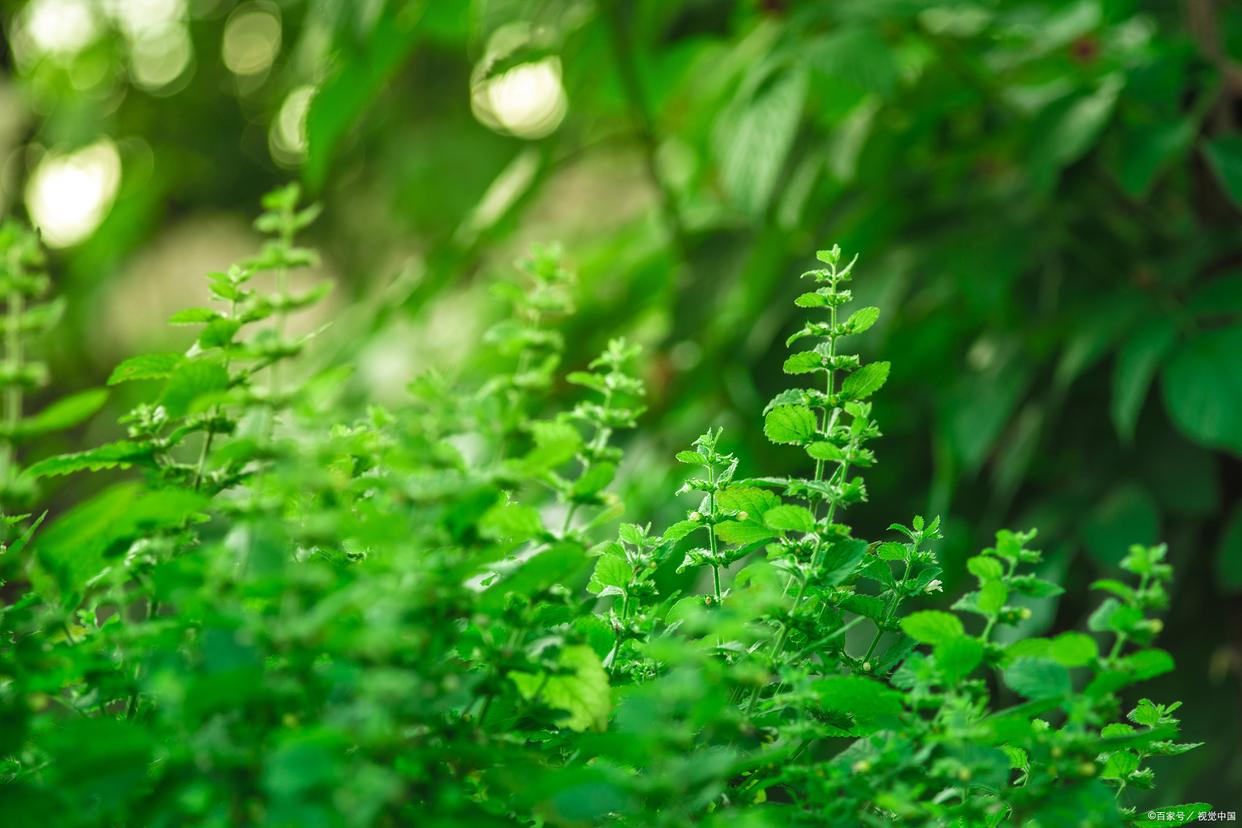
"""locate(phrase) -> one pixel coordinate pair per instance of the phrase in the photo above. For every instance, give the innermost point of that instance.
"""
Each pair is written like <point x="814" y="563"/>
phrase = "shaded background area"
<point x="1046" y="197"/>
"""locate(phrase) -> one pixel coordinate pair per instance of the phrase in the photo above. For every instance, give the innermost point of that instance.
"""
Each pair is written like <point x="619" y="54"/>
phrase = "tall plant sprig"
<point x="832" y="424"/>
<point x="211" y="388"/>
<point x="23" y="284"/>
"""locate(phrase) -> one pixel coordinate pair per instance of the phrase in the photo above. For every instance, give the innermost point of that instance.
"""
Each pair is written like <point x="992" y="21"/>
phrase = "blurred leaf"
<point x="1202" y="384"/>
<point x="1229" y="554"/>
<point x="582" y="691"/>
<point x="1224" y="155"/>
<point x="1038" y="678"/>
<point x="1137" y="362"/>
<point x="64" y="413"/>
<point x="1124" y="517"/>
<point x="753" y="138"/>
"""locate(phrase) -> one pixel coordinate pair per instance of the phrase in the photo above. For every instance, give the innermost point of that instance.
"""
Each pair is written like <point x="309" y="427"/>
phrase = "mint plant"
<point x="286" y="605"/>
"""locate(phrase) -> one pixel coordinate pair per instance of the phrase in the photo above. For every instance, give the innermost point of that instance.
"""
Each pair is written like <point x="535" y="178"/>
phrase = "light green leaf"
<point x="1073" y="649"/>
<point x="64" y="413"/>
<point x="145" y="367"/>
<point x="985" y="568"/>
<point x="594" y="480"/>
<point x="821" y="450"/>
<point x="932" y="626"/>
<point x="121" y="454"/>
<point x="582" y="692"/>
<point x="511" y="523"/>
<point x="992" y="597"/>
<point x="789" y="519"/>
<point x="611" y="570"/>
<point x="957" y="657"/>
<point x="869" y="704"/>
<point x="862" y="319"/>
<point x="865" y="381"/>
<point x="789" y="424"/>
<point x="193" y="383"/>
<point x="803" y="362"/>
<point x="1038" y="678"/>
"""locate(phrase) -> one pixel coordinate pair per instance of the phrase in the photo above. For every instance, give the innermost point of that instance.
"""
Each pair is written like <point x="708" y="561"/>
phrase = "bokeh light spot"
<point x="69" y="195"/>
<point x="251" y="40"/>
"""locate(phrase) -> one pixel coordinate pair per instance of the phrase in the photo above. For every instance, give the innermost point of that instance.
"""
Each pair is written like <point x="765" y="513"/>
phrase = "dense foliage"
<point x="423" y="616"/>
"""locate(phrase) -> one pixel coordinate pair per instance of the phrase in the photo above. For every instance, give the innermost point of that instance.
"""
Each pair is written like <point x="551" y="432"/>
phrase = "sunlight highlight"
<point x="69" y="195"/>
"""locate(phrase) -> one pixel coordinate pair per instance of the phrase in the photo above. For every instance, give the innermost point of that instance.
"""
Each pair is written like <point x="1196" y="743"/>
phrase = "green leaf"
<point x="145" y="367"/>
<point x="582" y="691"/>
<point x="1038" y="678"/>
<point x="679" y="530"/>
<point x="1127" y="515"/>
<point x="821" y="450"/>
<point x="985" y="568"/>
<point x="64" y="413"/>
<point x="803" y="362"/>
<point x="811" y="300"/>
<point x="611" y="570"/>
<point x="1137" y="362"/>
<point x="862" y="319"/>
<point x="511" y="523"/>
<point x="754" y="134"/>
<point x="869" y="704"/>
<point x="595" y="479"/>
<point x="789" y="519"/>
<point x="992" y="597"/>
<point x="363" y="66"/>
<point x="194" y="316"/>
<point x="79" y="545"/>
<point x="691" y="457"/>
<point x="1202" y="384"/>
<point x="192" y="385"/>
<point x="1224" y="155"/>
<point x="932" y="626"/>
<point x="855" y="55"/>
<point x="865" y="381"/>
<point x="121" y="454"/>
<point x="890" y="551"/>
<point x="1229" y="554"/>
<point x="1073" y="649"/>
<point x="957" y="657"/>
<point x="841" y="560"/>
<point x="754" y="502"/>
<point x="789" y="424"/>
<point x="742" y="533"/>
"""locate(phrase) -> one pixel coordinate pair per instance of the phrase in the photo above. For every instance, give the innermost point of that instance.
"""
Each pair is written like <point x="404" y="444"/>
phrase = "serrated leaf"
<point x="64" y="413"/>
<point x="121" y="454"/>
<point x="803" y="362"/>
<point x="789" y="519"/>
<point x="611" y="570"/>
<point x="865" y="381"/>
<point x="692" y="458"/>
<point x="582" y="692"/>
<point x="932" y="626"/>
<point x="811" y="300"/>
<point x="891" y="551"/>
<point x="789" y="424"/>
<point x="822" y="450"/>
<point x="1073" y="649"/>
<point x="741" y="533"/>
<point x="862" y="319"/>
<point x="1038" y="678"/>
<point x="869" y="704"/>
<point x="679" y="530"/>
<point x="145" y="367"/>
<point x="957" y="657"/>
<point x="193" y="383"/>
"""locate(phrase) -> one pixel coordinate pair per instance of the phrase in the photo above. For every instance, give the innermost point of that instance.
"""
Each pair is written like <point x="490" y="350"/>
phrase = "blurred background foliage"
<point x="1046" y="196"/>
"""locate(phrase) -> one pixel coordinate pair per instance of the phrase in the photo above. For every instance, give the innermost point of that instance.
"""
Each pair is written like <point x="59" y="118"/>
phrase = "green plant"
<point x="308" y="611"/>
